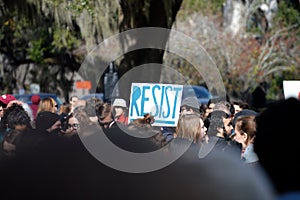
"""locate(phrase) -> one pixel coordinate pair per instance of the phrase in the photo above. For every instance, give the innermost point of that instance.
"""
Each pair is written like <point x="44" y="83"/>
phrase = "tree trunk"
<point x="138" y="14"/>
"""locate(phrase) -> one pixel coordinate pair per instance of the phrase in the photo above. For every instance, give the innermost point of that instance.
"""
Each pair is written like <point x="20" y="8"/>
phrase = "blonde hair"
<point x="189" y="127"/>
<point x="47" y="104"/>
<point x="64" y="108"/>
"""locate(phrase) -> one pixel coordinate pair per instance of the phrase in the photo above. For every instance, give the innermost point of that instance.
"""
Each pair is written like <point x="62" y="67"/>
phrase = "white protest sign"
<point x="291" y="89"/>
<point x="160" y="100"/>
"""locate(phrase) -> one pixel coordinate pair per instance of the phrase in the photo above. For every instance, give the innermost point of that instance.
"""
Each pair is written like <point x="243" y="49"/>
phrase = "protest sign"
<point x="160" y="100"/>
<point x="291" y="89"/>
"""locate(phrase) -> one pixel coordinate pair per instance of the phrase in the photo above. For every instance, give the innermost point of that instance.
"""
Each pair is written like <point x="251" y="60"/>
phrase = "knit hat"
<point x="46" y="119"/>
<point x="245" y="112"/>
<point x="6" y="98"/>
<point x="35" y="99"/>
<point x="191" y="102"/>
<point x="119" y="103"/>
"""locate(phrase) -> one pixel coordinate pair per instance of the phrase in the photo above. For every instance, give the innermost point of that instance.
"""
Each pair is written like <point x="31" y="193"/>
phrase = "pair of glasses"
<point x="73" y="125"/>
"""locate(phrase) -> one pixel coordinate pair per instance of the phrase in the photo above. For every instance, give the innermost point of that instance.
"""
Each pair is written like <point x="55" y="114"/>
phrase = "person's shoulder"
<point x="131" y="140"/>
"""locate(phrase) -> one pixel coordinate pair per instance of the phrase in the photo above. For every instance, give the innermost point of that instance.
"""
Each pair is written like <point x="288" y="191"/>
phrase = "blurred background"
<point x="254" y="43"/>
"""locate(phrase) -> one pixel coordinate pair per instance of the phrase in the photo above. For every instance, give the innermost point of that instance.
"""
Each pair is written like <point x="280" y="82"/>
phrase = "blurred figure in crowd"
<point x="47" y="104"/>
<point x="120" y="111"/>
<point x="73" y="102"/>
<point x="245" y="131"/>
<point x="35" y="99"/>
<point x="277" y="146"/>
<point x="73" y="126"/>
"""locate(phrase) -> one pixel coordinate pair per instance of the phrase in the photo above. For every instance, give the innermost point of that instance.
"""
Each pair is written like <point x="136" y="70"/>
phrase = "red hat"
<point x="35" y="99"/>
<point x="6" y="98"/>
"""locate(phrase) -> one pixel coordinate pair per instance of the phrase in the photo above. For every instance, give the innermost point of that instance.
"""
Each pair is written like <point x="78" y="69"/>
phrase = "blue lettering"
<point x="135" y="96"/>
<point x="161" y="100"/>
<point x="168" y="104"/>
<point x="175" y="100"/>
<point x="144" y="99"/>
<point x="155" y="101"/>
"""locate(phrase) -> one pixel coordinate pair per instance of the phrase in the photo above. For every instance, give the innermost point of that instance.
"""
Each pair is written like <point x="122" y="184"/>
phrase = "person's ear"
<point x="245" y="136"/>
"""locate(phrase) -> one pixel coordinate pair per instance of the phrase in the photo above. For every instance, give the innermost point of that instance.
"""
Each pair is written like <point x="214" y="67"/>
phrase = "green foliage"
<point x="36" y="51"/>
<point x="286" y="15"/>
<point x="203" y="6"/>
<point x="64" y="39"/>
<point x="275" y="87"/>
<point x="77" y="6"/>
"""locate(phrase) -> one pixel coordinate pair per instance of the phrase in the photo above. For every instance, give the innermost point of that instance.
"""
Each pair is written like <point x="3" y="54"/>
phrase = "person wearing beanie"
<point x="190" y="105"/>
<point x="48" y="121"/>
<point x="244" y="112"/>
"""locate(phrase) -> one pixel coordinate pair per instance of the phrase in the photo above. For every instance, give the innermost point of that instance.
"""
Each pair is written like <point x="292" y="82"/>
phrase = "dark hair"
<point x="241" y="104"/>
<point x="143" y="125"/>
<point x="214" y="121"/>
<point x="15" y="115"/>
<point x="104" y="110"/>
<point x="146" y="121"/>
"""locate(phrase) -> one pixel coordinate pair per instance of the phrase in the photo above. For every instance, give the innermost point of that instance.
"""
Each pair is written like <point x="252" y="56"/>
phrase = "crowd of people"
<point x="234" y="152"/>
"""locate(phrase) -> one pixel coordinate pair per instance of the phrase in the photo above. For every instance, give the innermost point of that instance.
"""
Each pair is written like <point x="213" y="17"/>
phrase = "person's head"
<point x="244" y="112"/>
<point x="73" y="102"/>
<point x="47" y="104"/>
<point x="80" y="114"/>
<point x="92" y="106"/>
<point x="35" y="99"/>
<point x="209" y="108"/>
<point x="64" y="109"/>
<point x="225" y="107"/>
<point x="277" y="143"/>
<point x="218" y="123"/>
<point x="5" y="99"/>
<point x="245" y="130"/>
<point x="119" y="107"/>
<point x="25" y="106"/>
<point x="104" y="114"/>
<point x="239" y="105"/>
<point x="73" y="125"/>
<point x="48" y="121"/>
<point x="15" y="117"/>
<point x="189" y="105"/>
<point x="145" y="122"/>
<point x="191" y="127"/>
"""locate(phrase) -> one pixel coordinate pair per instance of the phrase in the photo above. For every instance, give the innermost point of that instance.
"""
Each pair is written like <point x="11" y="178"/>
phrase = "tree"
<point x="87" y="22"/>
<point x="247" y="59"/>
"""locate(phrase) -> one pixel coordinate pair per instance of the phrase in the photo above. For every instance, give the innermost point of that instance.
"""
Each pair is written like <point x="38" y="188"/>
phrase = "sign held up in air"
<point x="160" y="100"/>
<point x="291" y="88"/>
